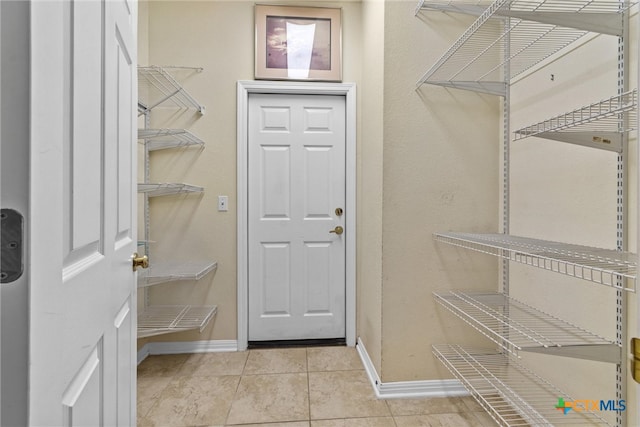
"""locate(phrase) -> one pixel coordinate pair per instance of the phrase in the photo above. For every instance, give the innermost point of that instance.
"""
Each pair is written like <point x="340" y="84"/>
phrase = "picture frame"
<point x="298" y="43"/>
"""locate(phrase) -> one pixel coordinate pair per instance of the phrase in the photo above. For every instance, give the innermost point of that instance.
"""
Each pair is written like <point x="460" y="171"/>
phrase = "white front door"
<point x="82" y="213"/>
<point x="296" y="216"/>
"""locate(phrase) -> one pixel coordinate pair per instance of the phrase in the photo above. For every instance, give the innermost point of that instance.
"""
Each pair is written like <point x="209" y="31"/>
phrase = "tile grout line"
<point x="306" y="353"/>
<point x="393" y="417"/>
<point x="235" y="393"/>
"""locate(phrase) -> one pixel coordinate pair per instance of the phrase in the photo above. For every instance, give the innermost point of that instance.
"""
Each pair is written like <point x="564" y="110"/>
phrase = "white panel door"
<point x="82" y="288"/>
<point x="296" y="177"/>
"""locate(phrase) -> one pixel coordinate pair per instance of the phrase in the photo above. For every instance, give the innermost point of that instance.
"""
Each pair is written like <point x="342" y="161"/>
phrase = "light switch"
<point x="223" y="203"/>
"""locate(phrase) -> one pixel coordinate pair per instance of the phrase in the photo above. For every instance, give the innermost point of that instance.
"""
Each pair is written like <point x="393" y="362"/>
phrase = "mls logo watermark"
<point x="588" y="405"/>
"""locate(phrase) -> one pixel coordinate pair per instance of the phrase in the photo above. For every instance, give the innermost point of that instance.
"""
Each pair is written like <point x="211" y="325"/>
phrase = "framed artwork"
<point x="298" y="43"/>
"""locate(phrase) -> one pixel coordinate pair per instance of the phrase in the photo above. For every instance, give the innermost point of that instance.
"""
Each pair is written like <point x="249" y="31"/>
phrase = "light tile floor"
<point x="294" y="387"/>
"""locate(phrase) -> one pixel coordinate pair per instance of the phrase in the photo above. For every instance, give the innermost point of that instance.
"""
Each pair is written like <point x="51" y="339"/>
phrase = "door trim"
<point x="348" y="90"/>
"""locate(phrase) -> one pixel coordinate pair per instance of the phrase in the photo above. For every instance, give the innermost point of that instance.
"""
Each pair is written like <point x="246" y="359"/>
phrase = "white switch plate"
<point x="223" y="203"/>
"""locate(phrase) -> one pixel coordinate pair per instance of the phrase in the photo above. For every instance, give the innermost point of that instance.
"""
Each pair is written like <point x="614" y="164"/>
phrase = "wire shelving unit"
<point x="160" y="139"/>
<point x="164" y="319"/>
<point x="507" y="39"/>
<point x="534" y="31"/>
<point x="171" y="271"/>
<point x="475" y="8"/>
<point x="167" y="189"/>
<point x="516" y="326"/>
<point x="599" y="125"/>
<point x="157" y="86"/>
<point x="603" y="266"/>
<point x="508" y="391"/>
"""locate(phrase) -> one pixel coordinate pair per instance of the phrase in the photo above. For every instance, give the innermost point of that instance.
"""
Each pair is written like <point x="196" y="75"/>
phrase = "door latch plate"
<point x="11" y="245"/>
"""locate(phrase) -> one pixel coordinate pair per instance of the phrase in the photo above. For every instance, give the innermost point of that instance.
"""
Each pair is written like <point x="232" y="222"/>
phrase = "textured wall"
<point x="441" y="151"/>
<point x="426" y="159"/>
<point x="218" y="36"/>
<point x="370" y="160"/>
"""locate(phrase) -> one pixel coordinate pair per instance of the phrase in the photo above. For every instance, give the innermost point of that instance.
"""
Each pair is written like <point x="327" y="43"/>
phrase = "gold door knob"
<point x="140" y="261"/>
<point x="338" y="230"/>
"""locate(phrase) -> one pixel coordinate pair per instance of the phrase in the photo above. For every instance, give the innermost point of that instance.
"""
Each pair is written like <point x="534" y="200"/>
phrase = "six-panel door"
<point x="83" y="227"/>
<point x="296" y="193"/>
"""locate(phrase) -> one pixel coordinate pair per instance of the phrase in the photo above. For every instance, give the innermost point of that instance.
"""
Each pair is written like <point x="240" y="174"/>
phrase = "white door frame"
<point x="348" y="90"/>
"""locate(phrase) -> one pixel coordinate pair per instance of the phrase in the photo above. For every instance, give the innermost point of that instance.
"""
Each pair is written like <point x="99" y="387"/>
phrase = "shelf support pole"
<point x="506" y="144"/>
<point x="147" y="216"/>
<point x="622" y="214"/>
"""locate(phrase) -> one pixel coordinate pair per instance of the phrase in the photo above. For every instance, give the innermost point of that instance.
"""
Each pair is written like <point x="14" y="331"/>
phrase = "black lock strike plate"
<point x="11" y="244"/>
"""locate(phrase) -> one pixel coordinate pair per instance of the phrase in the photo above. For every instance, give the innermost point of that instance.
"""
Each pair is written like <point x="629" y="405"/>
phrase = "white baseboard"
<point x="407" y="389"/>
<point x="180" y="347"/>
<point x="369" y="368"/>
<point x="143" y="353"/>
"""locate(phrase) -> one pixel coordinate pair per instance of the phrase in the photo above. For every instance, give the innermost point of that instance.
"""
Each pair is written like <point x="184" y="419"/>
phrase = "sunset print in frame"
<point x="298" y="43"/>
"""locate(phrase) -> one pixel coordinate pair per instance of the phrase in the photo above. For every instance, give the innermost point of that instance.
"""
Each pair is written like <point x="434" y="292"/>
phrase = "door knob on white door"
<point x="338" y="230"/>
<point x="140" y="261"/>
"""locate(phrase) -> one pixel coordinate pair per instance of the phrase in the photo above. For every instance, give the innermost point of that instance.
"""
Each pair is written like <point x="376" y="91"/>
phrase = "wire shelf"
<point x="468" y="7"/>
<point x="164" y="319"/>
<point x="171" y="271"/>
<point x="157" y="86"/>
<point x="599" y="125"/>
<point x="536" y="30"/>
<point x="166" y="189"/>
<point x="516" y="326"/>
<point x="509" y="392"/>
<point x="159" y="139"/>
<point x="603" y="266"/>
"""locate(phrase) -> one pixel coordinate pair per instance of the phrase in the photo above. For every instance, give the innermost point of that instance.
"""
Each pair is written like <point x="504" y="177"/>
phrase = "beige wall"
<point x="370" y="178"/>
<point x="218" y="36"/>
<point x="441" y="151"/>
<point x="417" y="171"/>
